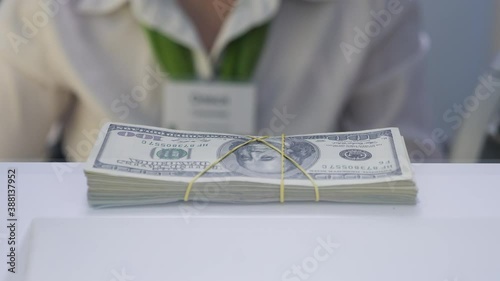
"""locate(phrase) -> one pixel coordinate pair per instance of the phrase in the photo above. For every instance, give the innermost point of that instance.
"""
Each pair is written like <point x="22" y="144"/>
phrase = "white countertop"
<point x="465" y="194"/>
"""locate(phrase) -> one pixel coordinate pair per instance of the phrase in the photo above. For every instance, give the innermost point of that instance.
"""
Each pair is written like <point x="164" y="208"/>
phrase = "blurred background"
<point x="465" y="43"/>
<point x="465" y="40"/>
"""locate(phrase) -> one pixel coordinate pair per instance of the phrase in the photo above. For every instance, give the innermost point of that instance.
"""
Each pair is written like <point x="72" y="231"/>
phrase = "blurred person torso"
<point x="327" y="65"/>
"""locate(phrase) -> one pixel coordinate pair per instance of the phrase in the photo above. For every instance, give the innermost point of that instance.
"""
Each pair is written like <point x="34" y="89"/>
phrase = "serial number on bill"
<point x="173" y="145"/>
<point x="354" y="167"/>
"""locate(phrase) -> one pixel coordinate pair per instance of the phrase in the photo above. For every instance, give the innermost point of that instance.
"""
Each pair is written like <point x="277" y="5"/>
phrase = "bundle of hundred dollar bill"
<point x="135" y="165"/>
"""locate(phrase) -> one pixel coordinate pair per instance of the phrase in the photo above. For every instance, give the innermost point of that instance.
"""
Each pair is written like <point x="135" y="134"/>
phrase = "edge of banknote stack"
<point x="139" y="165"/>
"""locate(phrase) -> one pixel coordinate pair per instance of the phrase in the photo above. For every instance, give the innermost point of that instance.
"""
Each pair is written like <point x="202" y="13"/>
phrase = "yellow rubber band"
<point x="283" y="156"/>
<point x="190" y="185"/>
<point x="316" y="189"/>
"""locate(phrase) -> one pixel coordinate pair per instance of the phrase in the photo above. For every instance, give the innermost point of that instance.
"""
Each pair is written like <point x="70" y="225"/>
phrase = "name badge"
<point x="212" y="107"/>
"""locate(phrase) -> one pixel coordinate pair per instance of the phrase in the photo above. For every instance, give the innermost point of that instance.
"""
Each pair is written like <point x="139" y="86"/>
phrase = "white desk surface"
<point x="467" y="194"/>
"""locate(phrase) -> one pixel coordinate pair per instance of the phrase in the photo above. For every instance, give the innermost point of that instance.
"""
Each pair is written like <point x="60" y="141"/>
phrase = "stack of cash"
<point x="135" y="165"/>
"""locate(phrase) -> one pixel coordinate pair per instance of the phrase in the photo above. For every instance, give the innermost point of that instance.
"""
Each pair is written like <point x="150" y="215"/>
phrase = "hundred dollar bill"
<point x="331" y="159"/>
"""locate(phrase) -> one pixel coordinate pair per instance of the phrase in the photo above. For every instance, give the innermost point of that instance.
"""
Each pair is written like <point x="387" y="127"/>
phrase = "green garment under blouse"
<point x="237" y="63"/>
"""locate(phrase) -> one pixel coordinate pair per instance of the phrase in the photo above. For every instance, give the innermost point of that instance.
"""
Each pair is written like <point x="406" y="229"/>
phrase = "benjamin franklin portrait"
<point x="257" y="159"/>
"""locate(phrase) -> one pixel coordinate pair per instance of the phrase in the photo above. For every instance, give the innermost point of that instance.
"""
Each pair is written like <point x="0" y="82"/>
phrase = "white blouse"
<point x="327" y="65"/>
